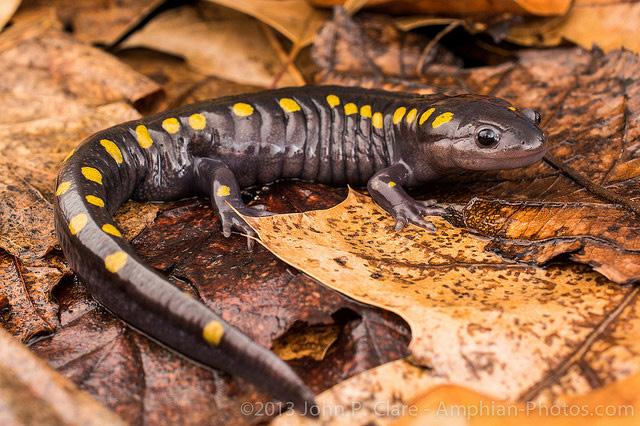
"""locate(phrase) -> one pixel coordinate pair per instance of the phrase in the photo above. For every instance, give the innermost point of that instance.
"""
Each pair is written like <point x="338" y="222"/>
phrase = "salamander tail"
<point x="90" y="187"/>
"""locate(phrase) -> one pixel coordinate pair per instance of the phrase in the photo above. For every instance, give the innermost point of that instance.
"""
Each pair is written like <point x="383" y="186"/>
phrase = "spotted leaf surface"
<point x="476" y="318"/>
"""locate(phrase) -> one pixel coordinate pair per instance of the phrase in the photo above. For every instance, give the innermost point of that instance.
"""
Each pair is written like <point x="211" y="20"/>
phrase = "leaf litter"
<point x="349" y="338"/>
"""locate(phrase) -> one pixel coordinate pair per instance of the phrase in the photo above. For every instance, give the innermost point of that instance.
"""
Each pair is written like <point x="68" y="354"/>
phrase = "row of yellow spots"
<point x="116" y="261"/>
<point x="289" y="105"/>
<point x="171" y="125"/>
<point x="377" y="119"/>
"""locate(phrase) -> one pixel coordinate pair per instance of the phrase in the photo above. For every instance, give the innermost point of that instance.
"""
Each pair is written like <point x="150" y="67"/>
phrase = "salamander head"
<point x="484" y="133"/>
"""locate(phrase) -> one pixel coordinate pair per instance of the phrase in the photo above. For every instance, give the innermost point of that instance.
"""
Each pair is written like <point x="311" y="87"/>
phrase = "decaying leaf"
<point x="217" y="41"/>
<point x="607" y="24"/>
<point x="469" y="7"/>
<point x="27" y="287"/>
<point x="374" y="43"/>
<point x="295" y="19"/>
<point x="103" y="22"/>
<point x="32" y="393"/>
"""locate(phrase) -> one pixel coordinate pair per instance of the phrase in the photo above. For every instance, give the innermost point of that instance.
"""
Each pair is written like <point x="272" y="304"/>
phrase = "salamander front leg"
<point x="385" y="188"/>
<point x="218" y="181"/>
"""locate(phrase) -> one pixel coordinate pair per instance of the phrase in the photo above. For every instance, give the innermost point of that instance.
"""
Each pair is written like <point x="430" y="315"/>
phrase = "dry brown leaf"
<point x="469" y="7"/>
<point x="608" y="24"/>
<point x="218" y="42"/>
<point x="295" y="19"/>
<point x="103" y="22"/>
<point x="615" y="405"/>
<point x="27" y="287"/>
<point x="45" y="72"/>
<point x="477" y="319"/>
<point x="7" y="9"/>
<point x="32" y="393"/>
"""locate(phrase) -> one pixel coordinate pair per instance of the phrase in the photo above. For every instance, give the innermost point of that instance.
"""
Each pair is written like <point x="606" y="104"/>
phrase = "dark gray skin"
<point x="217" y="147"/>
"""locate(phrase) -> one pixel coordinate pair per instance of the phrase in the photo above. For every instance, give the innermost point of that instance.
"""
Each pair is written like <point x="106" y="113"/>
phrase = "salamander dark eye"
<point x="488" y="137"/>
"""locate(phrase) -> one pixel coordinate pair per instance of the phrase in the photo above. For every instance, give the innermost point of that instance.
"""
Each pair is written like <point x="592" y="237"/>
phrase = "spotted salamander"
<point x="325" y="134"/>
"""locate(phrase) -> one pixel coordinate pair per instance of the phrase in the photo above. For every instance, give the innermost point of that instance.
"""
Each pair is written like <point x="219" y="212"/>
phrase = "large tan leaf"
<point x="217" y="42"/>
<point x="295" y="19"/>
<point x="7" y="9"/>
<point x="476" y="318"/>
<point x="609" y="24"/>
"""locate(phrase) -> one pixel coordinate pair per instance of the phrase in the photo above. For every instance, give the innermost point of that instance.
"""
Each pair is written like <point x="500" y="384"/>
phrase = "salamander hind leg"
<point x="218" y="181"/>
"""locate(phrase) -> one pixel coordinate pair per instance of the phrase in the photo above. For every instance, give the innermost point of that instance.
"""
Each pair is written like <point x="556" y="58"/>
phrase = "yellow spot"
<point x="77" y="223"/>
<point x="443" y="118"/>
<point x="377" y="120"/>
<point x="512" y="108"/>
<point x="425" y="115"/>
<point x="197" y="121"/>
<point x="112" y="149"/>
<point x="350" y="108"/>
<point x="398" y="114"/>
<point x="391" y="184"/>
<point x="289" y="105"/>
<point x="96" y="201"/>
<point x="110" y="229"/>
<point x="242" y="110"/>
<point x="115" y="261"/>
<point x="333" y="101"/>
<point x="411" y="116"/>
<point x="213" y="332"/>
<point x="63" y="187"/>
<point x="92" y="174"/>
<point x="171" y="125"/>
<point x="143" y="137"/>
<point x="69" y="154"/>
<point x="223" y="191"/>
<point x="365" y="111"/>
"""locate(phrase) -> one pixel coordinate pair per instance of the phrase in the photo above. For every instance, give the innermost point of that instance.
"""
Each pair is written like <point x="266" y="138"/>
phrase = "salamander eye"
<point x="488" y="137"/>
